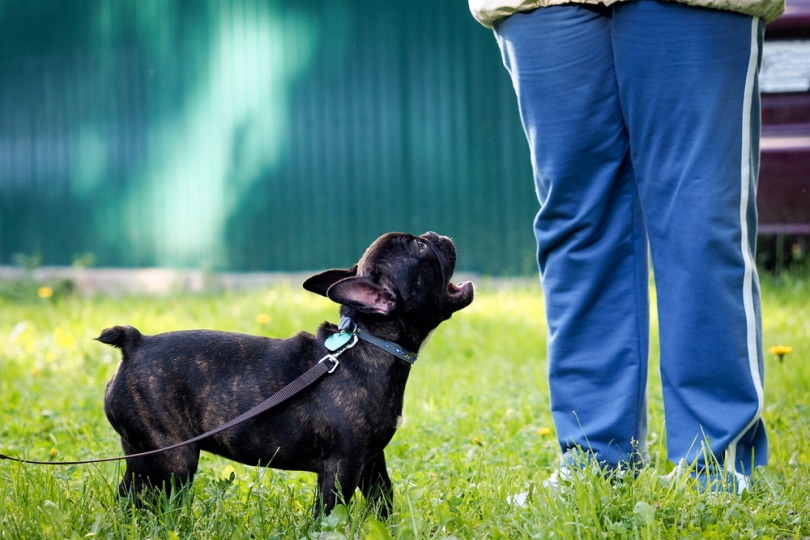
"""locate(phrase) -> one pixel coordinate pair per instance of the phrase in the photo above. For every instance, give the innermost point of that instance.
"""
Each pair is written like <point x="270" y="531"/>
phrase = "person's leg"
<point x="689" y="91"/>
<point x="592" y="247"/>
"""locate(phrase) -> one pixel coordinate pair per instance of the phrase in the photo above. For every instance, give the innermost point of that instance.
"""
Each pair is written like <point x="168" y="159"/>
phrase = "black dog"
<point x="171" y="387"/>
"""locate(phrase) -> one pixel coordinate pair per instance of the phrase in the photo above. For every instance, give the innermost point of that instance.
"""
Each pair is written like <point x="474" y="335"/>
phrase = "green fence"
<point x="256" y="135"/>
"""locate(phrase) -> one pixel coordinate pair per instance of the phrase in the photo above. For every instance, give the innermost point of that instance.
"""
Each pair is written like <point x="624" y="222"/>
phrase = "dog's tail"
<point x="122" y="337"/>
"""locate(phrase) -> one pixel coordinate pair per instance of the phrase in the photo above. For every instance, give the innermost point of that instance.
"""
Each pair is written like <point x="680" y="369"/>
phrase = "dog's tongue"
<point x="452" y="288"/>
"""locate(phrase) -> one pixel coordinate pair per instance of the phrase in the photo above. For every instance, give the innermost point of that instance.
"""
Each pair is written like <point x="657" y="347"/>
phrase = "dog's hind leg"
<point x="146" y="477"/>
<point x="375" y="484"/>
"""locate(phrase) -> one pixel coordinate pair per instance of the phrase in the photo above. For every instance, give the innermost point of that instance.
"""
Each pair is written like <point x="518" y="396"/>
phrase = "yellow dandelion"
<point x="53" y="452"/>
<point x="543" y="431"/>
<point x="780" y="351"/>
<point x="263" y="318"/>
<point x="477" y="441"/>
<point x="45" y="292"/>
<point x="228" y="473"/>
<point x="34" y="371"/>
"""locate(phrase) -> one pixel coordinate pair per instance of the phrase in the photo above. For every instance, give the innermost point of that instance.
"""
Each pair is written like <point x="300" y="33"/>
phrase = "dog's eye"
<point x="421" y="245"/>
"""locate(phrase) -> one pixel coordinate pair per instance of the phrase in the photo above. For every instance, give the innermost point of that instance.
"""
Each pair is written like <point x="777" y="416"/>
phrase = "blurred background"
<point x="247" y="135"/>
<point x="268" y="135"/>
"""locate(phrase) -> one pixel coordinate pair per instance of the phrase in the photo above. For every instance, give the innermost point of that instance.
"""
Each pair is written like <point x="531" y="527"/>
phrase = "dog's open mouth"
<point x="454" y="288"/>
<point x="443" y="248"/>
<point x="460" y="294"/>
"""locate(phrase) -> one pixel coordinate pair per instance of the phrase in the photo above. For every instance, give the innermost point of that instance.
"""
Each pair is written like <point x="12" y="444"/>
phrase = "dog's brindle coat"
<point x="173" y="386"/>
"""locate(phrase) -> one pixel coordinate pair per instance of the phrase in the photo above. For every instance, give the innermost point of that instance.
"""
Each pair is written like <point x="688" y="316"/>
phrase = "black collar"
<point x="348" y="329"/>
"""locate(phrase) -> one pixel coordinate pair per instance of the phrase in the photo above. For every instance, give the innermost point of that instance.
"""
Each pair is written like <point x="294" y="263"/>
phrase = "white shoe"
<point x="555" y="482"/>
<point x="558" y="479"/>
<point x="520" y="500"/>
<point x="742" y="482"/>
<point x="712" y="482"/>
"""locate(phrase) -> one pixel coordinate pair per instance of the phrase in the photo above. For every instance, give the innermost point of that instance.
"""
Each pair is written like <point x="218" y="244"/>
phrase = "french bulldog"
<point x="174" y="386"/>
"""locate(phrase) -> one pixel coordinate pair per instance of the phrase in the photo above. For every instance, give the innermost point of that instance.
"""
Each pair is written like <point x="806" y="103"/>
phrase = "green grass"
<point x="477" y="431"/>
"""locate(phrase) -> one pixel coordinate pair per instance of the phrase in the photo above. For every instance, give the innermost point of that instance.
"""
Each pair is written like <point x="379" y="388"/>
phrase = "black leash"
<point x="308" y="378"/>
<point x="337" y="344"/>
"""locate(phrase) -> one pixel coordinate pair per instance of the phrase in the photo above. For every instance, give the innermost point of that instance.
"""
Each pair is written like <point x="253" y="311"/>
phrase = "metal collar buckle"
<point x="333" y="359"/>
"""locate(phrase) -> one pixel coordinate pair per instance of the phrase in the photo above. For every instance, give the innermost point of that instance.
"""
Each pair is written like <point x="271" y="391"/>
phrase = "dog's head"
<point x="399" y="275"/>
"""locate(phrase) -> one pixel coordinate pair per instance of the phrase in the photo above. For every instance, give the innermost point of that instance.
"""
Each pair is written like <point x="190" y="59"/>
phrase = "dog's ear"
<point x="320" y="283"/>
<point x="364" y="295"/>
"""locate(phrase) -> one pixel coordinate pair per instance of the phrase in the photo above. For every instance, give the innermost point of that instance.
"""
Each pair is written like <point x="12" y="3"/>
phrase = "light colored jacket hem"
<point x="488" y="12"/>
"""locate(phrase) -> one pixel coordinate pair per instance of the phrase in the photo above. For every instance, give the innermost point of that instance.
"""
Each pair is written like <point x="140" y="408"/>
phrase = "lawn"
<point x="477" y="431"/>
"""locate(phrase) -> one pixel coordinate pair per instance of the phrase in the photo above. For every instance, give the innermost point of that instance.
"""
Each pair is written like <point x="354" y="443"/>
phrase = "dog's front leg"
<point x="336" y="484"/>
<point x="376" y="486"/>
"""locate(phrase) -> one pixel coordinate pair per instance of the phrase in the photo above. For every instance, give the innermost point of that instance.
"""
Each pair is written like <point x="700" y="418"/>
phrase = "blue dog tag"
<point x="337" y="341"/>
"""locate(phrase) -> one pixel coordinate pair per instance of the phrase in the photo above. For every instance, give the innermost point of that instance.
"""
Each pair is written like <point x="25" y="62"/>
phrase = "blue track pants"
<point x="643" y="125"/>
